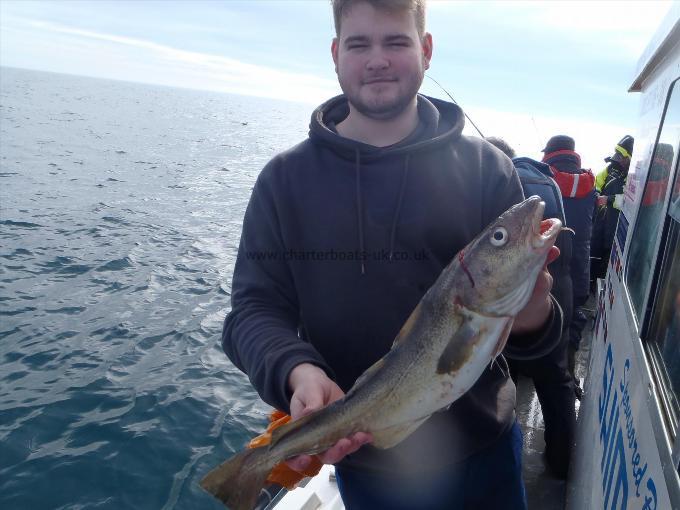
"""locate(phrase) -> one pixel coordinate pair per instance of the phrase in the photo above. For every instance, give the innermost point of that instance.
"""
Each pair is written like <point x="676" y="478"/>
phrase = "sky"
<point x="523" y="71"/>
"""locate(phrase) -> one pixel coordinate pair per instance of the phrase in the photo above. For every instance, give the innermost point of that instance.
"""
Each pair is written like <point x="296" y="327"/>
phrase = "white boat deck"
<point x="320" y="493"/>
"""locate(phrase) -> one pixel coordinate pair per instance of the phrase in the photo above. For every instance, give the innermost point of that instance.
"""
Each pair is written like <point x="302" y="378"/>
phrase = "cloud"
<point x="197" y="70"/>
<point x="494" y="54"/>
<point x="628" y="25"/>
<point x="602" y="26"/>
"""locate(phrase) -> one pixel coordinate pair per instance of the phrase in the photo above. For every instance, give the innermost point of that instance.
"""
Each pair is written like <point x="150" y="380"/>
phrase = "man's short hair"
<point x="501" y="144"/>
<point x="417" y="7"/>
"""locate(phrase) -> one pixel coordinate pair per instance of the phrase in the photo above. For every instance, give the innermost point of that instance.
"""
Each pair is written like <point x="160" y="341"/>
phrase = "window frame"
<point x="654" y="289"/>
<point x="643" y="317"/>
<point x="665" y="391"/>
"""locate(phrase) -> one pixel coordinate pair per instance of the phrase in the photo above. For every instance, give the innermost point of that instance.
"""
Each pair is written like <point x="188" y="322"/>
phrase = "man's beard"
<point x="385" y="110"/>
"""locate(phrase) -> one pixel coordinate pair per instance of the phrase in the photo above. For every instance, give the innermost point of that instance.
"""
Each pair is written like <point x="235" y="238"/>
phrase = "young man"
<point x="357" y="222"/>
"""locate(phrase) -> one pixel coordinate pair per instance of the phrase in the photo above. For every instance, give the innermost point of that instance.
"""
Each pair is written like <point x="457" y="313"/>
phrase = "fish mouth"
<point x="544" y="231"/>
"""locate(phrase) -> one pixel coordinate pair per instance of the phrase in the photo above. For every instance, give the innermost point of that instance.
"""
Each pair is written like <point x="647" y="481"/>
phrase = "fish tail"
<point x="238" y="481"/>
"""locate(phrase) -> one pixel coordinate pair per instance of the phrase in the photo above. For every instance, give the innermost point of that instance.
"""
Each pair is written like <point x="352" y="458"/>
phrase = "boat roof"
<point x="664" y="40"/>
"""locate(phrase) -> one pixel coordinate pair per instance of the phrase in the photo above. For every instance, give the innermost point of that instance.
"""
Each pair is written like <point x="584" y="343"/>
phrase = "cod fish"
<point x="459" y="327"/>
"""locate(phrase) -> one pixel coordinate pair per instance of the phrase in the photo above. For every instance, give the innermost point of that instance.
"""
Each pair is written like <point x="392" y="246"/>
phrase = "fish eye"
<point x="499" y="237"/>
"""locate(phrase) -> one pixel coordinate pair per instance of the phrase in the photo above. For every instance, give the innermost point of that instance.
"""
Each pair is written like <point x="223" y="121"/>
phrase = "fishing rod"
<point x="538" y="133"/>
<point x="456" y="103"/>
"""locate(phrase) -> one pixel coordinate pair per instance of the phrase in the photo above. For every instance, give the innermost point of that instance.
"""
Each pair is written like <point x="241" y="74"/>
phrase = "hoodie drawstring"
<point x="360" y="213"/>
<point x="397" y="210"/>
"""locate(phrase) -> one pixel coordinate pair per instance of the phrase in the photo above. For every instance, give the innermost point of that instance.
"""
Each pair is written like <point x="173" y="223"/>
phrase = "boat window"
<point x="651" y="216"/>
<point x="663" y="332"/>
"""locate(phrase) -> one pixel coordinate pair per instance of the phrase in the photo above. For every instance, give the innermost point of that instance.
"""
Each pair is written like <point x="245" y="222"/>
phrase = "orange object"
<point x="282" y="474"/>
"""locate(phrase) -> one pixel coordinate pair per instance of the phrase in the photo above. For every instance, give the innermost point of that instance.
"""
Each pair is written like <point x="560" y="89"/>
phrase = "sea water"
<point x="120" y="215"/>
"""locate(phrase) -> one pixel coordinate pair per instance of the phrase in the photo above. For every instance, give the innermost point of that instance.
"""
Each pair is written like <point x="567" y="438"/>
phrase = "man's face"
<point x="380" y="60"/>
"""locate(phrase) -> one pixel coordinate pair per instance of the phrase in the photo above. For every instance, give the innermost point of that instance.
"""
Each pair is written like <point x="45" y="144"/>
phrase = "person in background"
<point x="609" y="183"/>
<point x="550" y="372"/>
<point x="384" y="171"/>
<point x="504" y="147"/>
<point x="577" y="187"/>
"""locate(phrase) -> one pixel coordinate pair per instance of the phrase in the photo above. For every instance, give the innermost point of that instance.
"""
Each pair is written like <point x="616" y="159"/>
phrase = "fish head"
<point x="497" y="271"/>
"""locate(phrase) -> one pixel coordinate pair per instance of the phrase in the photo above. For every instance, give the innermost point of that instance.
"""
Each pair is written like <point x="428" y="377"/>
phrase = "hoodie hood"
<point x="524" y="162"/>
<point x="440" y="123"/>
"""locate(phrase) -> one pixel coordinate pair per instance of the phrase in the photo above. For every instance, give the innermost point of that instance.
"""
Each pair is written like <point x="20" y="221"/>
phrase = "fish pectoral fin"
<point x="392" y="436"/>
<point x="459" y="349"/>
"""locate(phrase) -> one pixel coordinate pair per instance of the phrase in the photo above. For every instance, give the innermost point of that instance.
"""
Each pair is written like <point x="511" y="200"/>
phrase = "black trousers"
<point x="555" y="390"/>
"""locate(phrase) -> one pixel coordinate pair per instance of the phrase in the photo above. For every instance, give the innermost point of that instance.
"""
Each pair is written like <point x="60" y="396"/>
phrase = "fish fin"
<point x="238" y="481"/>
<point x="391" y="436"/>
<point x="368" y="373"/>
<point x="408" y="326"/>
<point x="458" y="350"/>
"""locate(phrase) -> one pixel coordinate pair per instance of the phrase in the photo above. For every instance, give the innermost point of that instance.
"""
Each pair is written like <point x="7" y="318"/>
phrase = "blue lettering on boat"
<point x="613" y="402"/>
<point x="613" y="463"/>
<point x="638" y="468"/>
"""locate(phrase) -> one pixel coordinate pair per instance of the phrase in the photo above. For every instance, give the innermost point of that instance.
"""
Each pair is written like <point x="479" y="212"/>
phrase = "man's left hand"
<point x="537" y="311"/>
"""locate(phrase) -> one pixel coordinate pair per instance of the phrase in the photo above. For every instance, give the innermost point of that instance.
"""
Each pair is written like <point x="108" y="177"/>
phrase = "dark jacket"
<point x="606" y="219"/>
<point x="550" y="373"/>
<point x="341" y="240"/>
<point x="536" y="179"/>
<point x="578" y="195"/>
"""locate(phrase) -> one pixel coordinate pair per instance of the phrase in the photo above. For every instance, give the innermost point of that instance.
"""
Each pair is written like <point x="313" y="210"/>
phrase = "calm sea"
<point x="120" y="216"/>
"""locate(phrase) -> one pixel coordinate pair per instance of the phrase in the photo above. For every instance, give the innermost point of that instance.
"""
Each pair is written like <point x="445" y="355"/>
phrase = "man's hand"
<point x="312" y="390"/>
<point x="601" y="200"/>
<point x="536" y="312"/>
